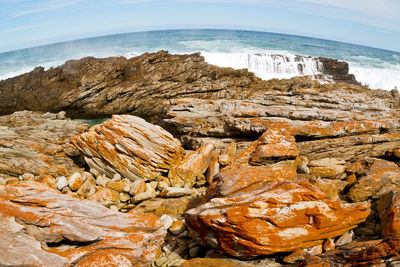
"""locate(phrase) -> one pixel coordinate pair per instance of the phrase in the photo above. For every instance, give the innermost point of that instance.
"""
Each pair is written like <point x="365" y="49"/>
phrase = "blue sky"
<point x="25" y="23"/>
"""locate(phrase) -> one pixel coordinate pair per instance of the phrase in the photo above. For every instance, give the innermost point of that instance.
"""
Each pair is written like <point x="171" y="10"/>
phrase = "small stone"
<point x="117" y="177"/>
<point x="124" y="197"/>
<point x="344" y="239"/>
<point x="27" y="176"/>
<point x="177" y="227"/>
<point x="194" y="251"/>
<point x="102" y="180"/>
<point x="137" y="187"/>
<point x="166" y="220"/>
<point x="329" y="245"/>
<point x="116" y="185"/>
<point x="105" y="196"/>
<point x="61" y="182"/>
<point x="88" y="188"/>
<point x="176" y="192"/>
<point x="66" y="190"/>
<point x="351" y="179"/>
<point x="149" y="194"/>
<point x="315" y="250"/>
<point x="75" y="181"/>
<point x="298" y="255"/>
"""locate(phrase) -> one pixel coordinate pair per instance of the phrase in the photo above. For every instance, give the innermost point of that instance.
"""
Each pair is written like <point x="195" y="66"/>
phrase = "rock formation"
<point x="42" y="227"/>
<point x="279" y="217"/>
<point x="38" y="144"/>
<point x="129" y="146"/>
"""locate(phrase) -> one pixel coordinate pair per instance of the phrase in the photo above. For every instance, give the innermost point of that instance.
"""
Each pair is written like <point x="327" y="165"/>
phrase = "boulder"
<point x="129" y="146"/>
<point x="279" y="217"/>
<point x="377" y="179"/>
<point x="41" y="227"/>
<point x="389" y="214"/>
<point x="368" y="253"/>
<point x="38" y="144"/>
<point x="191" y="168"/>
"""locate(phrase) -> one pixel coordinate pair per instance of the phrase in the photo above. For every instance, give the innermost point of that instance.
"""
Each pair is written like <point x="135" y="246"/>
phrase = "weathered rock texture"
<point x="369" y="253"/>
<point x="275" y="218"/>
<point x="38" y="144"/>
<point x="389" y="214"/>
<point x="326" y="122"/>
<point x="41" y="227"/>
<point x="129" y="146"/>
<point x="92" y="87"/>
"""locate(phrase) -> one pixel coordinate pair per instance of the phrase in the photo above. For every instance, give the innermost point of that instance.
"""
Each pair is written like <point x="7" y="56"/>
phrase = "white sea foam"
<point x="267" y="65"/>
<point x="376" y="78"/>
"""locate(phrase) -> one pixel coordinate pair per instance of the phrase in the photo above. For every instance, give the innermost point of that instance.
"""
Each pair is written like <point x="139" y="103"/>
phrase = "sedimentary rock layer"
<point x="41" y="227"/>
<point x="129" y="146"/>
<point x="38" y="144"/>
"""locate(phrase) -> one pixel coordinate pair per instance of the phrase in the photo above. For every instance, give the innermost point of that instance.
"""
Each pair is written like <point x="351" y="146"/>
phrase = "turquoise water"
<point x="268" y="55"/>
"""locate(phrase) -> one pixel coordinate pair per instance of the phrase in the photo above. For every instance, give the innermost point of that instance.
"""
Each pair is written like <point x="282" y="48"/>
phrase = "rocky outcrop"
<point x="41" y="227"/>
<point x="38" y="144"/>
<point x="279" y="217"/>
<point x="128" y="146"/>
<point x="92" y="87"/>
<point x="389" y="214"/>
<point x="341" y="123"/>
<point x="337" y="70"/>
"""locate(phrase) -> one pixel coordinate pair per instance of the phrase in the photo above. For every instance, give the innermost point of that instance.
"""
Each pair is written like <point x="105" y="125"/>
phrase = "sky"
<point x="26" y="23"/>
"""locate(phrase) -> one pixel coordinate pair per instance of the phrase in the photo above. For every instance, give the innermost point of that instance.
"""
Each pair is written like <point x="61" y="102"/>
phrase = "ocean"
<point x="268" y="55"/>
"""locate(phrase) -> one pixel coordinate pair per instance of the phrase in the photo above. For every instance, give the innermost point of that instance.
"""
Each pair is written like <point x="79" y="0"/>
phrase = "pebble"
<point x="102" y="180"/>
<point x="166" y="220"/>
<point x="124" y="197"/>
<point x="177" y="227"/>
<point x="61" y="182"/>
<point x="345" y="239"/>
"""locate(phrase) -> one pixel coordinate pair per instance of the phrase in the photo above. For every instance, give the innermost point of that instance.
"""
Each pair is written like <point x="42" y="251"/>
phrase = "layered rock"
<point x="42" y="227"/>
<point x="326" y="122"/>
<point x="190" y="169"/>
<point x="92" y="87"/>
<point x="389" y="214"/>
<point x="376" y="178"/>
<point x="369" y="253"/>
<point x="275" y="218"/>
<point x="38" y="144"/>
<point x="128" y="146"/>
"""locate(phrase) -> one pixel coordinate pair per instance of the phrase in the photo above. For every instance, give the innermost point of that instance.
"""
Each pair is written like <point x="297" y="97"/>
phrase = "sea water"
<point x="268" y="55"/>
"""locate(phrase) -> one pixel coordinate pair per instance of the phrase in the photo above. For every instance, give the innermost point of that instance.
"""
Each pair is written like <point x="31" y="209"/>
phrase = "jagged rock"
<point x="337" y="70"/>
<point x="369" y="253"/>
<point x="92" y="87"/>
<point x="274" y="145"/>
<point x="227" y="154"/>
<point x="129" y="146"/>
<point x="191" y="168"/>
<point x="213" y="168"/>
<point x="279" y="217"/>
<point x="378" y="178"/>
<point x="389" y="214"/>
<point x="38" y="144"/>
<point x="40" y="226"/>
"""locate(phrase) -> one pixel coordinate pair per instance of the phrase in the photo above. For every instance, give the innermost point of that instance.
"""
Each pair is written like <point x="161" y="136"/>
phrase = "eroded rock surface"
<point x="279" y="217"/>
<point x="129" y="146"/>
<point x="38" y="144"/>
<point x="42" y="227"/>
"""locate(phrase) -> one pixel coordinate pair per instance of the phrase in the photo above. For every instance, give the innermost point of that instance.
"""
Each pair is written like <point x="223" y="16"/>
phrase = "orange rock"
<point x="329" y="244"/>
<point x="213" y="169"/>
<point x="369" y="253"/>
<point x="214" y="262"/>
<point x="45" y="216"/>
<point x="389" y="213"/>
<point x="327" y="167"/>
<point x="138" y="187"/>
<point x="227" y="154"/>
<point x="130" y="146"/>
<point x="186" y="172"/>
<point x="275" y="144"/>
<point x="279" y="217"/>
<point x="75" y="181"/>
<point x="104" y="196"/>
<point x="50" y="181"/>
<point x="116" y="185"/>
<point x="378" y="179"/>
